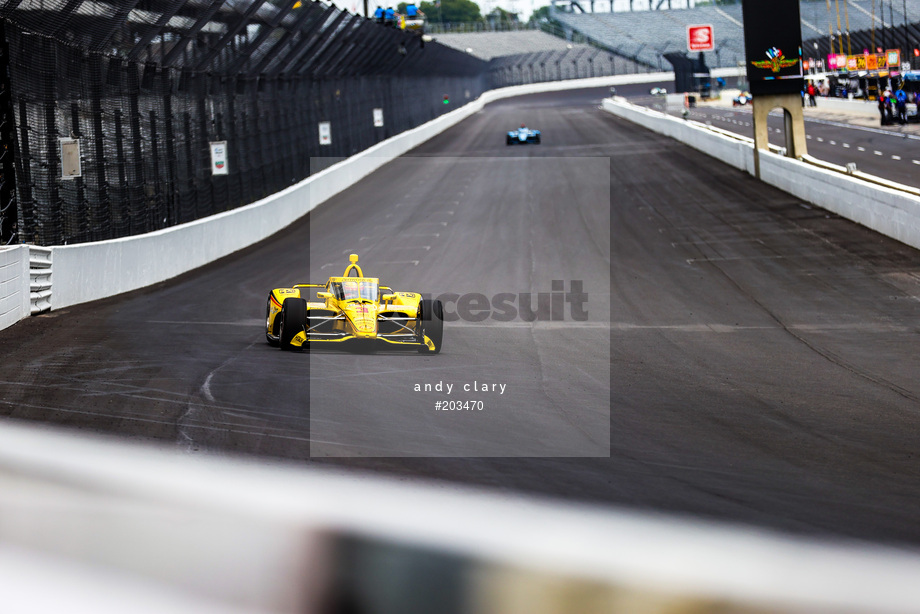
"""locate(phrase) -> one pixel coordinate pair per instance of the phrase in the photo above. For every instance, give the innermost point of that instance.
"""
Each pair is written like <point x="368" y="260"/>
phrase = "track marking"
<point x="846" y="145"/>
<point x="860" y="149"/>
<point x="916" y="161"/>
<point x="695" y="260"/>
<point x="249" y="322"/>
<point x="206" y="393"/>
<point x="206" y="387"/>
<point x="877" y="152"/>
<point x="895" y="157"/>
<point x="720" y="241"/>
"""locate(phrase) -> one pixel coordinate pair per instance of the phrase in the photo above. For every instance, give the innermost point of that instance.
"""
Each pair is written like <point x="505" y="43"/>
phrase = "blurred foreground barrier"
<point x="884" y="206"/>
<point x="102" y="526"/>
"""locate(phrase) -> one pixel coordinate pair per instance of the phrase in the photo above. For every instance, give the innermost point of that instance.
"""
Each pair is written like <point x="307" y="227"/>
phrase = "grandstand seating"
<point x="529" y="56"/>
<point x="581" y="61"/>
<point x="488" y="45"/>
<point x="646" y="35"/>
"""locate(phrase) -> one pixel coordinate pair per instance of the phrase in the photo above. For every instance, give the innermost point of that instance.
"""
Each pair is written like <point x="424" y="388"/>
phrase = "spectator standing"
<point x="901" y="104"/>
<point x="378" y="15"/>
<point x="811" y="95"/>
<point x="389" y="17"/>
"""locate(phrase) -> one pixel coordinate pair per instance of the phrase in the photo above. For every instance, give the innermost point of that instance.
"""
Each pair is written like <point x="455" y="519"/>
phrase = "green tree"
<point x="499" y="17"/>
<point x="544" y="13"/>
<point x="454" y="11"/>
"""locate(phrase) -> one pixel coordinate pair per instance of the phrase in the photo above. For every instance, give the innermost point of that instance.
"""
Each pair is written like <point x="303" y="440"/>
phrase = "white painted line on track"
<point x="412" y="262"/>
<point x="695" y="260"/>
<point x="895" y="157"/>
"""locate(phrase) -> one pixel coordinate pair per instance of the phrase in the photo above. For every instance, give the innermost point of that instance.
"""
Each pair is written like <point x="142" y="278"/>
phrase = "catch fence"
<point x="128" y="116"/>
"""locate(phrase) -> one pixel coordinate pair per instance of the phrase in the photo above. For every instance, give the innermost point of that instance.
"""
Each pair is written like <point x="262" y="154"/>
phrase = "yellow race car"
<point x="355" y="310"/>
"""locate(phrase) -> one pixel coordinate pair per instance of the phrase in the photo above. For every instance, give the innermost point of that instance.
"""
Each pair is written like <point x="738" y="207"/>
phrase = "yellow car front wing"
<point x="301" y="338"/>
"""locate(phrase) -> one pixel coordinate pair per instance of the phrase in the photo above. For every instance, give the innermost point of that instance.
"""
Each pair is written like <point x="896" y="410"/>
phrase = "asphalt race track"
<point x="744" y="356"/>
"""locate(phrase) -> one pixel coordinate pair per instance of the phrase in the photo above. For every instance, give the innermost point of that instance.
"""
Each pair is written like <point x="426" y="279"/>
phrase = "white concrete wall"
<point x="884" y="209"/>
<point x="14" y="284"/>
<point x="735" y="152"/>
<point x="842" y="104"/>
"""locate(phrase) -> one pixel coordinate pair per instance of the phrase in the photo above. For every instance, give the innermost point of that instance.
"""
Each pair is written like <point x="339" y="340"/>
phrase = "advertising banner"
<point x="325" y="133"/>
<point x="700" y="38"/>
<point x="219" y="158"/>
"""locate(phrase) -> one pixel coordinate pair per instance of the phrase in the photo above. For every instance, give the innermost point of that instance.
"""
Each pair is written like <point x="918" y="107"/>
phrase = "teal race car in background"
<point x="523" y="135"/>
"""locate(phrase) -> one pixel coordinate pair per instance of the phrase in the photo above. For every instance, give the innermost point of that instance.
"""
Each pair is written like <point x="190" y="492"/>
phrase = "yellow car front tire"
<point x="293" y="320"/>
<point x="431" y="314"/>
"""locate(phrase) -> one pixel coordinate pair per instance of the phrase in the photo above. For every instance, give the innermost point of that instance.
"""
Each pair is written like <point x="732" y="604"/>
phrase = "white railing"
<point x="40" y="278"/>
<point x="14" y="277"/>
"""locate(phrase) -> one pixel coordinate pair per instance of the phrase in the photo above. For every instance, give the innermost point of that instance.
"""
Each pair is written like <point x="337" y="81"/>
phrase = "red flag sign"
<point x="699" y="38"/>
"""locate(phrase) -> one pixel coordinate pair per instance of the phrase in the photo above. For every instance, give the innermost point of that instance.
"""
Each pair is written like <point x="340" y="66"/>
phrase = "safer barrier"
<point x="881" y="205"/>
<point x="14" y="281"/>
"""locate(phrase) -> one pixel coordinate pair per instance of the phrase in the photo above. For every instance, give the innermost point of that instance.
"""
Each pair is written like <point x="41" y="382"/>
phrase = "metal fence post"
<point x="8" y="211"/>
